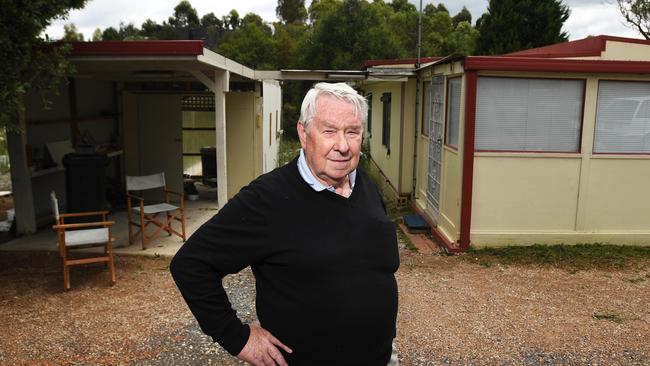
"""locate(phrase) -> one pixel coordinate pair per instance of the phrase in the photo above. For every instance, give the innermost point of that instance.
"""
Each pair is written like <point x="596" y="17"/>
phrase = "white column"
<point x="21" y="180"/>
<point x="221" y="86"/>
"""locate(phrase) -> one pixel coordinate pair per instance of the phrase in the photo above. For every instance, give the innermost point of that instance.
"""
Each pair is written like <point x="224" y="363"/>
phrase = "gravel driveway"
<point x="452" y="311"/>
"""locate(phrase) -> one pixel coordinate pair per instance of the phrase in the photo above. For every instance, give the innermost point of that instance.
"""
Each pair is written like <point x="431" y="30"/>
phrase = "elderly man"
<point x="323" y="251"/>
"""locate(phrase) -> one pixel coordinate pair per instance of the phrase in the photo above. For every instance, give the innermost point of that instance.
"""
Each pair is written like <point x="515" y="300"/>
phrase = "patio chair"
<point x="83" y="235"/>
<point x="147" y="214"/>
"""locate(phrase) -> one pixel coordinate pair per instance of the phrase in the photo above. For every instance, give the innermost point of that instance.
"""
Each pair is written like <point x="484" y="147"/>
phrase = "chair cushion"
<point x="87" y="236"/>
<point x="159" y="207"/>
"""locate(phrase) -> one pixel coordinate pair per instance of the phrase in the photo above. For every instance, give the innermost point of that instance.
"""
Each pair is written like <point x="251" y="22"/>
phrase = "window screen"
<point x="515" y="114"/>
<point x="453" y="112"/>
<point x="623" y="117"/>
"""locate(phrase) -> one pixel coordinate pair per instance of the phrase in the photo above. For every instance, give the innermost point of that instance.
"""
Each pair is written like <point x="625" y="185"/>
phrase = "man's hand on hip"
<point x="261" y="349"/>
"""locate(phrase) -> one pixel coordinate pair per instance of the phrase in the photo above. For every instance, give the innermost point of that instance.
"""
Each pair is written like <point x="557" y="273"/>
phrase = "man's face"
<point x="332" y="141"/>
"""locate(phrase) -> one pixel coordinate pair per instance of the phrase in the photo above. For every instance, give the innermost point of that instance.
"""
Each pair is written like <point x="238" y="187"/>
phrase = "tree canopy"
<point x="27" y="59"/>
<point x="513" y="25"/>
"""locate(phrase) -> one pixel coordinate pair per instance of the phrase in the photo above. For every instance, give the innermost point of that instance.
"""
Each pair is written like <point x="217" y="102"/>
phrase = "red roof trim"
<point x="498" y="63"/>
<point x="398" y="61"/>
<point x="138" y="48"/>
<point x="590" y="46"/>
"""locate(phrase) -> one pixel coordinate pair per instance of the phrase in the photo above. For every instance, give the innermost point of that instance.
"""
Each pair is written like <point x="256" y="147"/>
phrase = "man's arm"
<point x="233" y="239"/>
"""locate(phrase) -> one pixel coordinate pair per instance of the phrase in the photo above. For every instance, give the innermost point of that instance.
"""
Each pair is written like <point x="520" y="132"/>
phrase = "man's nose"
<point x="341" y="144"/>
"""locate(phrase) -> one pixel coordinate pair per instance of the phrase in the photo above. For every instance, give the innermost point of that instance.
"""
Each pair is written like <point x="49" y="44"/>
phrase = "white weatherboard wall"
<point x="271" y="117"/>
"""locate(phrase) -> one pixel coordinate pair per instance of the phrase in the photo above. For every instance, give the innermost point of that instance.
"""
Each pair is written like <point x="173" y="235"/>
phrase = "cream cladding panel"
<point x="525" y="193"/>
<point x="618" y="195"/>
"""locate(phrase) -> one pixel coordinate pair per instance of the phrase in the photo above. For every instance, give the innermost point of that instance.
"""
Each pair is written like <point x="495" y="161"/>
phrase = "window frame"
<point x="447" y="108"/>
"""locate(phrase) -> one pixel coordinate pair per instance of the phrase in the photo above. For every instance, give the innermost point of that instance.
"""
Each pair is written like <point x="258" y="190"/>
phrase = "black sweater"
<point x="324" y="268"/>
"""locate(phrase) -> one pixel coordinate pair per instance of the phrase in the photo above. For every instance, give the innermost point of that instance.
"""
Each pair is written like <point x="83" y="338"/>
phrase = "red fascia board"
<point x="590" y="46"/>
<point x="499" y="63"/>
<point x="398" y="61"/>
<point x="138" y="48"/>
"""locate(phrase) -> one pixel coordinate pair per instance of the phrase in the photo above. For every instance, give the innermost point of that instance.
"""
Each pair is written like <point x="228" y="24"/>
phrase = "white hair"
<point x="341" y="91"/>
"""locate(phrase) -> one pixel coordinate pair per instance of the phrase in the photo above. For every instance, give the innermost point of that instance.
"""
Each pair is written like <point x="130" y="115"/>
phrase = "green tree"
<point x="463" y="16"/>
<point x="291" y="11"/>
<point x="111" y="34"/>
<point x="251" y="44"/>
<point x="636" y="14"/>
<point x="97" y="35"/>
<point x="513" y="25"/>
<point x="27" y="59"/>
<point x="185" y="16"/>
<point x="232" y="20"/>
<point x="346" y="33"/>
<point x="70" y="33"/>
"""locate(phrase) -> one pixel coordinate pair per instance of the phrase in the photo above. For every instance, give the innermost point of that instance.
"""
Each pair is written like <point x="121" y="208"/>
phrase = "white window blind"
<point x="623" y="117"/>
<point x="516" y="114"/>
<point x="453" y="112"/>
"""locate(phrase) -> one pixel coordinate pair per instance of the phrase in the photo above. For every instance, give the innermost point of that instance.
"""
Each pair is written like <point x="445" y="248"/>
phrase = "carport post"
<point x="21" y="181"/>
<point x="221" y="86"/>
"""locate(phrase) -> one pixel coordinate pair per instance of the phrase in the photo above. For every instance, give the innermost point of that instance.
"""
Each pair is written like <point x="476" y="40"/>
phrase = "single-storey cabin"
<point x="149" y="106"/>
<point x="548" y="145"/>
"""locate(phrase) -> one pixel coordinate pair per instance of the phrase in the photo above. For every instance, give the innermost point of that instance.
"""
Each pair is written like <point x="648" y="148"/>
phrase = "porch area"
<point x="196" y="213"/>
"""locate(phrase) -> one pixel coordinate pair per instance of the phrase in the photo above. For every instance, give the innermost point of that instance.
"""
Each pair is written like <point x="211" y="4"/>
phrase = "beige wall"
<point x="522" y="199"/>
<point x="626" y="51"/>
<point x="407" y="144"/>
<point x="272" y="108"/>
<point x="240" y="134"/>
<point x="388" y="163"/>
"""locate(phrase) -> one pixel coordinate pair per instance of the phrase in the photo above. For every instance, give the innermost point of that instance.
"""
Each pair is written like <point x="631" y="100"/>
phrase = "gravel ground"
<point x="452" y="312"/>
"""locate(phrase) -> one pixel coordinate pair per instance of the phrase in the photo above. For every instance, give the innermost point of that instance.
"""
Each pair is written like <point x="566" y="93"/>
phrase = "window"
<point x="453" y="112"/>
<point x="530" y="115"/>
<point x="426" y="108"/>
<point x="623" y="118"/>
<point x="385" y="120"/>
<point x="369" y="121"/>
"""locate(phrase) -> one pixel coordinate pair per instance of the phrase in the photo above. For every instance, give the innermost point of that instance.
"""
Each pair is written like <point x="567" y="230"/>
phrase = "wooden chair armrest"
<point x="89" y="213"/>
<point x="83" y="225"/>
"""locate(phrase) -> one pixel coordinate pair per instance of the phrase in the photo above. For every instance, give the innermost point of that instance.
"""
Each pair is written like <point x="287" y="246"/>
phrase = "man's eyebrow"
<point x="328" y="124"/>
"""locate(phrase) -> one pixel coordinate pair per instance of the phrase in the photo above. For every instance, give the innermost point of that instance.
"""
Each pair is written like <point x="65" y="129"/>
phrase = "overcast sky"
<point x="588" y="17"/>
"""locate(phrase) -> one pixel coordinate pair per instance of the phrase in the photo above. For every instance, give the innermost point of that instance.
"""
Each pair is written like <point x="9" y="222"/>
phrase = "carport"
<point x="135" y="91"/>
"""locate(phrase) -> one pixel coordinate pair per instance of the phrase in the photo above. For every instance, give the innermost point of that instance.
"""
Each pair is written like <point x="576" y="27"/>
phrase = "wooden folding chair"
<point x="146" y="214"/>
<point x="83" y="235"/>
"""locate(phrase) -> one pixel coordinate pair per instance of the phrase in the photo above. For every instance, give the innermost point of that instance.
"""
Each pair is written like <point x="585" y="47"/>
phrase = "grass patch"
<point x="612" y="317"/>
<point x="403" y="238"/>
<point x="289" y="149"/>
<point x="570" y="257"/>
<point x="634" y="279"/>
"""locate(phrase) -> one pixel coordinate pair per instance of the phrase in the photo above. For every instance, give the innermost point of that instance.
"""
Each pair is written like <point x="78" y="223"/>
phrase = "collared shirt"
<point x="314" y="183"/>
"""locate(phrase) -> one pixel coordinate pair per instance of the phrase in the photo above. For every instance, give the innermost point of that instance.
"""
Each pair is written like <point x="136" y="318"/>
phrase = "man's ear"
<point x="302" y="134"/>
